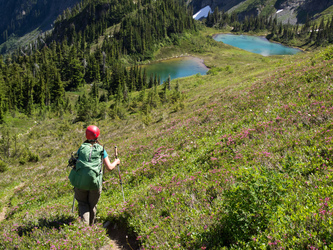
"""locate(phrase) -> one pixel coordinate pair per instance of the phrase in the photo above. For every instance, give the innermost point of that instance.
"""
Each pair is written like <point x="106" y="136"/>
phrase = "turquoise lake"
<point x="256" y="44"/>
<point x="176" y="68"/>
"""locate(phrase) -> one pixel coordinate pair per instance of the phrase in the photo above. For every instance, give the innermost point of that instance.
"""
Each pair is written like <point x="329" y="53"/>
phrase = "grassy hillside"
<point x="244" y="162"/>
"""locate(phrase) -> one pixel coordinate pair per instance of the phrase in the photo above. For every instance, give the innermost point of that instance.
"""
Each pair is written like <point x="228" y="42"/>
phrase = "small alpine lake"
<point x="256" y="44"/>
<point x="176" y="67"/>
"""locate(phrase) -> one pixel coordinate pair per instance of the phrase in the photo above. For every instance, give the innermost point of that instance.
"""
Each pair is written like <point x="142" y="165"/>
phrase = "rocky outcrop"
<point x="298" y="11"/>
<point x="309" y="5"/>
<point x="221" y="4"/>
<point x="292" y="11"/>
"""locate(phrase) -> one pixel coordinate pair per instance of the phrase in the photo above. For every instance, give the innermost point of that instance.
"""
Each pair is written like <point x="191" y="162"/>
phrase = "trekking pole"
<point x="121" y="183"/>
<point x="103" y="166"/>
<point x="73" y="203"/>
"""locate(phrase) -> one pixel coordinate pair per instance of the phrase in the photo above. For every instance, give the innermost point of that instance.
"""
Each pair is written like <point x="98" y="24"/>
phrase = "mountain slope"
<point x="22" y="21"/>
<point x="18" y="18"/>
<point x="23" y="16"/>
<point x="293" y="11"/>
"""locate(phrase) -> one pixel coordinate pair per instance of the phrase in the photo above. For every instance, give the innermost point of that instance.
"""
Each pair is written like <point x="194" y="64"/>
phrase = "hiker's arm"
<point x="109" y="165"/>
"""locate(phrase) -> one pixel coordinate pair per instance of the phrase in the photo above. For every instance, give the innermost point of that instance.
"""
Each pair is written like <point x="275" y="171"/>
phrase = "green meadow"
<point x="243" y="160"/>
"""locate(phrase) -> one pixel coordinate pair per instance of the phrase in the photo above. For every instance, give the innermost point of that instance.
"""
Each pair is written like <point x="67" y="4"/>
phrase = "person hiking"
<point x="86" y="176"/>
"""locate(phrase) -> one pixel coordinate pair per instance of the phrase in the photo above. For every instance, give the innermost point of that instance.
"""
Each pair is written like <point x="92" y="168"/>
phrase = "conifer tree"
<point x="163" y="93"/>
<point x="216" y="14"/>
<point x="83" y="108"/>
<point x="151" y="81"/>
<point x="144" y="78"/>
<point x="2" y="99"/>
<point x="76" y="74"/>
<point x="169" y="83"/>
<point x="28" y="95"/>
<point x="58" y="90"/>
<point x="156" y="82"/>
<point x="2" y="111"/>
<point x="94" y="91"/>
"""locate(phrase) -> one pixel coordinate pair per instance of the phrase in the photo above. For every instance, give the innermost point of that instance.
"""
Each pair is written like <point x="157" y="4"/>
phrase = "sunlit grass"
<point x="247" y="140"/>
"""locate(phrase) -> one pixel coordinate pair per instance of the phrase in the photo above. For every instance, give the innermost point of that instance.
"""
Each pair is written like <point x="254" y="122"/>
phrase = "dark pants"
<point x="87" y="200"/>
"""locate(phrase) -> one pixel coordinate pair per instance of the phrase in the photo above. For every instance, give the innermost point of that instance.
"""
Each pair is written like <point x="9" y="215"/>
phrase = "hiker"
<point x="86" y="176"/>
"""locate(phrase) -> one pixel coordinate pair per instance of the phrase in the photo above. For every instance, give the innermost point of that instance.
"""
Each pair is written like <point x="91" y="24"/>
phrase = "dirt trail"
<point x="119" y="240"/>
<point x="4" y="201"/>
<point x="118" y="236"/>
<point x="28" y="131"/>
<point x="3" y="214"/>
<point x="113" y="245"/>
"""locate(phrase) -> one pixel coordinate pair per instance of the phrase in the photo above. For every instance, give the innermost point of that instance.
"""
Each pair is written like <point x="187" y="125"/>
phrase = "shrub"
<point x="214" y="71"/>
<point x="250" y="203"/>
<point x="28" y="156"/>
<point x="3" y="166"/>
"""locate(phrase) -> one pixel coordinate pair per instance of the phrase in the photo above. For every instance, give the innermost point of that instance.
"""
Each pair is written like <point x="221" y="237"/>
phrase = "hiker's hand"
<point x="116" y="162"/>
<point x="109" y="165"/>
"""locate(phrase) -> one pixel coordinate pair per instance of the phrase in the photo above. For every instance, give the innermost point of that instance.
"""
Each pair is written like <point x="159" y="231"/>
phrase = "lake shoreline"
<point x="176" y="67"/>
<point x="252" y="44"/>
<point x="173" y="58"/>
<point x="261" y="36"/>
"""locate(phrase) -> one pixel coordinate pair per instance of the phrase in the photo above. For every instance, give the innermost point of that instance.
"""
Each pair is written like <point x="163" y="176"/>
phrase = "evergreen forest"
<point x="35" y="78"/>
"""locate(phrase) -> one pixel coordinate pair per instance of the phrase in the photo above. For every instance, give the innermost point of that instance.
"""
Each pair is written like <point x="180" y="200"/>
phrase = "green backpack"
<point x="87" y="173"/>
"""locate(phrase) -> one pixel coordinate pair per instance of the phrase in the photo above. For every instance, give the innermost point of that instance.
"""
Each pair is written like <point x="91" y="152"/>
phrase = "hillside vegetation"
<point x="246" y="163"/>
<point x="240" y="158"/>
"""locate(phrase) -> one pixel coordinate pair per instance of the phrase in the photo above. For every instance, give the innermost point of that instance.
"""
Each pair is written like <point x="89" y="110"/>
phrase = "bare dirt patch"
<point x="119" y="239"/>
<point x="4" y="201"/>
<point x="3" y="214"/>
